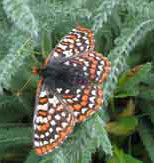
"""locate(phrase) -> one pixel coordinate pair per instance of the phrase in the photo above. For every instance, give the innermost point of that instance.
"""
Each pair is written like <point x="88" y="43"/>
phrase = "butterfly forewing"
<point x="53" y="122"/>
<point x="77" y="41"/>
<point x="95" y="67"/>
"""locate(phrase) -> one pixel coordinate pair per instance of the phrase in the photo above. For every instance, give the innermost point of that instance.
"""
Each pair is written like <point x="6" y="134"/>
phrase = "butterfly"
<point x="70" y="90"/>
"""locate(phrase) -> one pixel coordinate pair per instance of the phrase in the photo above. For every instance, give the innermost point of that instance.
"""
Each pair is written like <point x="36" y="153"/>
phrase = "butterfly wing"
<point x="95" y="66"/>
<point x="52" y="122"/>
<point x="79" y="40"/>
<point x="88" y="98"/>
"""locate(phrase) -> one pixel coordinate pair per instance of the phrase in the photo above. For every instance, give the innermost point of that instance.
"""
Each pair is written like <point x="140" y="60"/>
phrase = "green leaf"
<point x="121" y="157"/>
<point x="14" y="136"/>
<point x="128" y="84"/>
<point x="46" y="44"/>
<point x="141" y="74"/>
<point x="123" y="126"/>
<point x="14" y="59"/>
<point x="127" y="93"/>
<point x="20" y="13"/>
<point x="146" y="93"/>
<point x="146" y="135"/>
<point x="148" y="108"/>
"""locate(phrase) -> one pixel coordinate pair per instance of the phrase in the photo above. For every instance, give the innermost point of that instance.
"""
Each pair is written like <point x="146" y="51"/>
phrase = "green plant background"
<point x="122" y="132"/>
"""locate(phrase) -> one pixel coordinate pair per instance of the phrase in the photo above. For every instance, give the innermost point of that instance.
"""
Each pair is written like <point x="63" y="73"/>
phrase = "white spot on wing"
<point x="42" y="136"/>
<point x="62" y="46"/>
<point x="51" y="141"/>
<point x="91" y="106"/>
<point x="76" y="113"/>
<point x="43" y="107"/>
<point x="84" y="68"/>
<point x="69" y="100"/>
<point x="64" y="100"/>
<point x="98" y="73"/>
<point x="86" y="74"/>
<point x="97" y="58"/>
<point x="93" y="92"/>
<point x="50" y="130"/>
<point x="78" y="44"/>
<point x="57" y="117"/>
<point x="77" y="40"/>
<point x="81" y="60"/>
<point x="100" y="67"/>
<point x="87" y="41"/>
<point x="75" y="99"/>
<point x="49" y="117"/>
<point x="78" y="90"/>
<point x="92" y="99"/>
<point x="53" y="123"/>
<point x="81" y="48"/>
<point x="45" y="142"/>
<point x="82" y="86"/>
<point x="36" y="136"/>
<point x="67" y="91"/>
<point x="54" y="101"/>
<point x="84" y="110"/>
<point x="64" y="124"/>
<point x="97" y="78"/>
<point x="74" y="30"/>
<point x="69" y="118"/>
<point x="47" y="134"/>
<point x="51" y="111"/>
<point x="91" y="54"/>
<point x="56" y="136"/>
<point x="67" y="63"/>
<point x="59" y="90"/>
<point x="68" y="40"/>
<point x="35" y="126"/>
<point x="55" y="54"/>
<point x="58" y="129"/>
<point x="39" y="119"/>
<point x="67" y="53"/>
<point x="74" y="64"/>
<point x="102" y="62"/>
<point x="36" y="143"/>
<point x="63" y="114"/>
<point x="43" y="94"/>
<point x="85" y="38"/>
<point x="41" y="143"/>
<point x="86" y="63"/>
<point x="78" y="96"/>
<point x="45" y="120"/>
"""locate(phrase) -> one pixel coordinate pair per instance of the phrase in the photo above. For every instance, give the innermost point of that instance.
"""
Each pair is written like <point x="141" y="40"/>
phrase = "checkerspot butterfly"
<point x="69" y="90"/>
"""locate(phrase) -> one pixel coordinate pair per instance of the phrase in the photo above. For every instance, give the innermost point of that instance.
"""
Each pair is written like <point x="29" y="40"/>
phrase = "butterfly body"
<point x="70" y="89"/>
<point x="59" y="75"/>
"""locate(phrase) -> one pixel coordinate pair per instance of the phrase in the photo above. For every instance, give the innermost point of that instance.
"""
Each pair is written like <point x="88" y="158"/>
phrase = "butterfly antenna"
<point x="24" y="86"/>
<point x="77" y="22"/>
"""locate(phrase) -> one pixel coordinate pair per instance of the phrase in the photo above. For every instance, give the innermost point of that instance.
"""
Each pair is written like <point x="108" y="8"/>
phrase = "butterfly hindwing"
<point x="53" y="122"/>
<point x="85" y="101"/>
<point x="87" y="98"/>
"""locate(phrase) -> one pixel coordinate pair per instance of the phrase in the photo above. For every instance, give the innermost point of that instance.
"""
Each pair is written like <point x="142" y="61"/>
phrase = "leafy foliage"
<point x="121" y="157"/>
<point x="147" y="138"/>
<point x="124" y="33"/>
